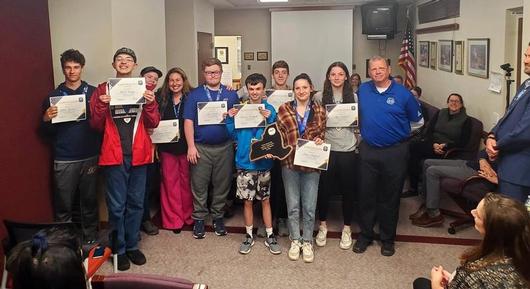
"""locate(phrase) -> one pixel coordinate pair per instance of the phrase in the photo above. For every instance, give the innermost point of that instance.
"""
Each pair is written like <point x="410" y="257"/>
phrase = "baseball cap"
<point x="125" y="50"/>
<point x="151" y="69"/>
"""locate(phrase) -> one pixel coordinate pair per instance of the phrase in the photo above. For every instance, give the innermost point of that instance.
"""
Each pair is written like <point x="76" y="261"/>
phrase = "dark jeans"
<point x="419" y="151"/>
<point x="152" y="185"/>
<point x="278" y="204"/>
<point x="75" y="194"/>
<point x="340" y="178"/>
<point x="382" y="173"/>
<point x="125" y="202"/>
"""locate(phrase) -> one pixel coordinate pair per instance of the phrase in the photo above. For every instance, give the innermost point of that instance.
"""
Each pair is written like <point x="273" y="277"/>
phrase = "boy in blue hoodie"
<point x="253" y="178"/>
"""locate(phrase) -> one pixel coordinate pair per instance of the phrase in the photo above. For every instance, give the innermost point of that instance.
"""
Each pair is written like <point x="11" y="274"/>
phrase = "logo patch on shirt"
<point x="390" y="100"/>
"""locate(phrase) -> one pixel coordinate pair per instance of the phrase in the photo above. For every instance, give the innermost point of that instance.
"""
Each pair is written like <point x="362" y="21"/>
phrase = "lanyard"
<point x="85" y="90"/>
<point x="208" y="94"/>
<point x="177" y="110"/>
<point x="301" y="121"/>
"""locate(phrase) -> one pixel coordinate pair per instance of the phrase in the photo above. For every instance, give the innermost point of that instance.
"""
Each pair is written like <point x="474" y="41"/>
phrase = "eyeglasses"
<point x="213" y="73"/>
<point x="126" y="59"/>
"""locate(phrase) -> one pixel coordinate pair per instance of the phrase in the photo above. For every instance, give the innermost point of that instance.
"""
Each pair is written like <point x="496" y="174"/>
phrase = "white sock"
<point x="249" y="230"/>
<point x="269" y="231"/>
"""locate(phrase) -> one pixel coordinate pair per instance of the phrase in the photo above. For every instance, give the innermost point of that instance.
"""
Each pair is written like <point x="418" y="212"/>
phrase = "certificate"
<point x="342" y="115"/>
<point x="249" y="115"/>
<point x="308" y="154"/>
<point x="212" y="112"/>
<point x="278" y="97"/>
<point x="69" y="107"/>
<point x="126" y="90"/>
<point x="167" y="131"/>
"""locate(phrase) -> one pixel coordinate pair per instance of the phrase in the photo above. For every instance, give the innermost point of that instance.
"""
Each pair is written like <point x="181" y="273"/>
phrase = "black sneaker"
<point x="360" y="246"/>
<point x="177" y="231"/>
<point x="123" y="262"/>
<point x="387" y="249"/>
<point x="198" y="229"/>
<point x="136" y="257"/>
<point x="219" y="227"/>
<point x="149" y="228"/>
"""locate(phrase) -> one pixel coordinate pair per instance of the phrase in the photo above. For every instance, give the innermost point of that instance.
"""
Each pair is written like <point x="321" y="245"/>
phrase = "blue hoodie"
<point x="244" y="137"/>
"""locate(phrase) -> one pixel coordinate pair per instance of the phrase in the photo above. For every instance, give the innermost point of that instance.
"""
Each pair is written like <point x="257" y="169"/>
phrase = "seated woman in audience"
<point x="52" y="259"/>
<point x="340" y="178"/>
<point x="176" y="200"/>
<point x="449" y="128"/>
<point x="501" y="259"/>
<point x="301" y="118"/>
<point x="355" y="81"/>
<point x="428" y="215"/>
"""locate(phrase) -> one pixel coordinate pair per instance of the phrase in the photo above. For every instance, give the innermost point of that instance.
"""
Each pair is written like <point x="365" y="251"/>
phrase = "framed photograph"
<point x="423" y="57"/>
<point x="433" y="50"/>
<point x="478" y="57"/>
<point x="262" y="55"/>
<point x="368" y="60"/>
<point x="459" y="57"/>
<point x="221" y="53"/>
<point x="248" y="55"/>
<point x="445" y="60"/>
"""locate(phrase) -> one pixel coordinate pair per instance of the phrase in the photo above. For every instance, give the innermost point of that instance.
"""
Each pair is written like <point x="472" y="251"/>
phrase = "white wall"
<point x="488" y="21"/>
<point x="204" y="16"/>
<point x="98" y="27"/>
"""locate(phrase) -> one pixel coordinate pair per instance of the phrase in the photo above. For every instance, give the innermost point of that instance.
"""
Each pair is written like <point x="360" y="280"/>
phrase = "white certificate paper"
<point x="69" y="107"/>
<point x="126" y="90"/>
<point x="278" y="97"/>
<point x="166" y="132"/>
<point x="249" y="115"/>
<point x="342" y="115"/>
<point x="211" y="112"/>
<point x="309" y="154"/>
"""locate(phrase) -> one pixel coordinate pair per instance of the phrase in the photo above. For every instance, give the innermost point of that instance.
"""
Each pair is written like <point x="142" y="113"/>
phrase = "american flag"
<point x="406" y="58"/>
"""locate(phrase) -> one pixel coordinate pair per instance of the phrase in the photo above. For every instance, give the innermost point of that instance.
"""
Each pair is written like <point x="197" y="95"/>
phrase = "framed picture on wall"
<point x="478" y="57"/>
<point x="445" y="60"/>
<point x="459" y="57"/>
<point x="221" y="53"/>
<point x="433" y="49"/>
<point x="248" y="55"/>
<point x="423" y="59"/>
<point x="262" y="55"/>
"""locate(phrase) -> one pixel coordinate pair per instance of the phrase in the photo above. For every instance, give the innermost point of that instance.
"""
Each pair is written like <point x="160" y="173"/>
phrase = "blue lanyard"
<point x="210" y="96"/>
<point x="301" y="121"/>
<point x="85" y="90"/>
<point x="177" y="110"/>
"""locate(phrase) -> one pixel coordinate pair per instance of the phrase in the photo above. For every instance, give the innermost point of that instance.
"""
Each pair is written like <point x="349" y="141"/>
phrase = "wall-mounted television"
<point x="379" y="19"/>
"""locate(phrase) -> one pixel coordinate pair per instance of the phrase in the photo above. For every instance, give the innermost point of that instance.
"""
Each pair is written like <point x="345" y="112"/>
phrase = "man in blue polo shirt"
<point x="210" y="150"/>
<point x="386" y="110"/>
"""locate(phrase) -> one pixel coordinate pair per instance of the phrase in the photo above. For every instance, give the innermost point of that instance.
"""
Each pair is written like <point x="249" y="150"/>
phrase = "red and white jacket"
<point x="111" y="151"/>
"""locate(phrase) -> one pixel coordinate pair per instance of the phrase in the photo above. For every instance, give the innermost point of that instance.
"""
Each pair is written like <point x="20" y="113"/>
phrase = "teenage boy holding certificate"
<point x="76" y="147"/>
<point x="125" y="152"/>
<point x="253" y="177"/>
<point x="210" y="150"/>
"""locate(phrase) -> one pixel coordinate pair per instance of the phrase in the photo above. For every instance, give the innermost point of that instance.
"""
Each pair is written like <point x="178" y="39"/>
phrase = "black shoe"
<point x="149" y="228"/>
<point x="387" y="249"/>
<point x="198" y="229"/>
<point x="136" y="257"/>
<point x="123" y="262"/>
<point x="177" y="231"/>
<point x="360" y="246"/>
<point x="219" y="227"/>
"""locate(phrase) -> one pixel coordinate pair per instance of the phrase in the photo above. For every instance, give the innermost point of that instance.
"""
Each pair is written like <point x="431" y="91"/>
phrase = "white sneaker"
<point x="321" y="236"/>
<point x="294" y="251"/>
<point x="307" y="252"/>
<point x="345" y="239"/>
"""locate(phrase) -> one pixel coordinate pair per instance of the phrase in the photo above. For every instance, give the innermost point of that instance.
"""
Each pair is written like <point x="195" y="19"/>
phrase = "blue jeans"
<point x="301" y="189"/>
<point x="125" y="202"/>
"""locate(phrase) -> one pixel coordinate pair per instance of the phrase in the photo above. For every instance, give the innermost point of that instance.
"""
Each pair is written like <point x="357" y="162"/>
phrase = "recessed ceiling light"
<point x="268" y="1"/>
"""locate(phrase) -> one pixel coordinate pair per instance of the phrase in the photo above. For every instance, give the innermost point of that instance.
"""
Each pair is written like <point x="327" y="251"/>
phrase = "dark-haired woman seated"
<point x="449" y="128"/>
<point x="501" y="259"/>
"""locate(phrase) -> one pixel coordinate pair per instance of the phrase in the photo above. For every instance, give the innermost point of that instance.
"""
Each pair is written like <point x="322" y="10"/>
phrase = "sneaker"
<point x="136" y="257"/>
<point x="123" y="262"/>
<point x="294" y="251"/>
<point x="198" y="229"/>
<point x="246" y="246"/>
<point x="149" y="228"/>
<point x="283" y="231"/>
<point x="427" y="221"/>
<point x="307" y="252"/>
<point x="321" y="236"/>
<point x="273" y="245"/>
<point x="219" y="227"/>
<point x="262" y="233"/>
<point x="387" y="249"/>
<point x="422" y="209"/>
<point x="360" y="246"/>
<point x="345" y="239"/>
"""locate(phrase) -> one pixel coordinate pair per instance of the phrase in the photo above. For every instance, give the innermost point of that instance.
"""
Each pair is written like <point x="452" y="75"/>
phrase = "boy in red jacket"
<point x="125" y="152"/>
